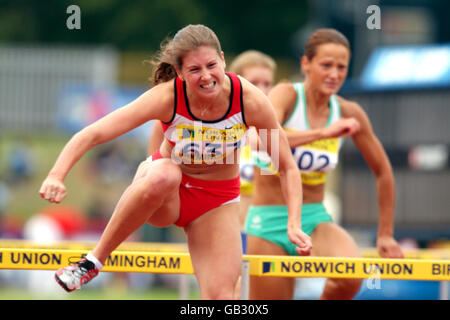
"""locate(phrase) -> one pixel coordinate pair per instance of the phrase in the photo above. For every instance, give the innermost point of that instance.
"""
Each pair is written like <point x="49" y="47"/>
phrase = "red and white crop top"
<point x="197" y="141"/>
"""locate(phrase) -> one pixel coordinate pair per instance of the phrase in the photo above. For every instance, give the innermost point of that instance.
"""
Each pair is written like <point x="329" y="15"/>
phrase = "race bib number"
<point x="315" y="159"/>
<point x="203" y="145"/>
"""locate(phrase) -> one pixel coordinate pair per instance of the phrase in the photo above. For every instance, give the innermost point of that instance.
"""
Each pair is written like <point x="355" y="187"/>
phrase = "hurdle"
<point x="173" y="259"/>
<point x="440" y="254"/>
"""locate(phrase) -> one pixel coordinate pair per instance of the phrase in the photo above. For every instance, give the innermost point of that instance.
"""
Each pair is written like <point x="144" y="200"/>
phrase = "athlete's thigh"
<point x="331" y="240"/>
<point x="273" y="288"/>
<point x="215" y="247"/>
<point x="155" y="173"/>
<point x="168" y="213"/>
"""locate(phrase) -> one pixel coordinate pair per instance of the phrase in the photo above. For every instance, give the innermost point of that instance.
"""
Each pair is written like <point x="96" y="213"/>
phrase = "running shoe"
<point x="75" y="275"/>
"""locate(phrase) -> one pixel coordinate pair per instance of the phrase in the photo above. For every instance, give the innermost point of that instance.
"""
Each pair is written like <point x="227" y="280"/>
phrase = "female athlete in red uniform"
<point x="205" y="112"/>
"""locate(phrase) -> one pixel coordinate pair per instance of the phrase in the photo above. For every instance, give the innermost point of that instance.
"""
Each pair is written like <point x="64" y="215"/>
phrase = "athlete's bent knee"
<point x="159" y="184"/>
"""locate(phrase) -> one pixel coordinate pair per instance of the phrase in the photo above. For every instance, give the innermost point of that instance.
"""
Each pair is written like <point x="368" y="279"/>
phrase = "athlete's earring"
<point x="178" y="73"/>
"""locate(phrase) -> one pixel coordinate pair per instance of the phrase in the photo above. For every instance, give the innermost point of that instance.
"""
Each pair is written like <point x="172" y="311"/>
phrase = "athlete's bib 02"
<point x="316" y="159"/>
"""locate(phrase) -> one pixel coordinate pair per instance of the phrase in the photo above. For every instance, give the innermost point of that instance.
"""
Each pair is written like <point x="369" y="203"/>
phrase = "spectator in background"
<point x="10" y="225"/>
<point x="55" y="223"/>
<point x="20" y="162"/>
<point x="50" y="226"/>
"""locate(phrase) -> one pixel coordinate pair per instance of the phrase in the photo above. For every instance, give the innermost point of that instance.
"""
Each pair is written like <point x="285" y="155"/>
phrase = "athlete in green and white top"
<point x="316" y="120"/>
<point x="314" y="159"/>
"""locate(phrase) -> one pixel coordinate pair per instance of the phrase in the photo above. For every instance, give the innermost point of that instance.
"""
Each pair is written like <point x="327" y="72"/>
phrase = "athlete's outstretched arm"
<point x="284" y="98"/>
<point x="150" y="105"/>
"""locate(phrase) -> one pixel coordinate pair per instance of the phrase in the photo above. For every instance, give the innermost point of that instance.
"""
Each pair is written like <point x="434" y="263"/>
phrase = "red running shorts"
<point x="200" y="196"/>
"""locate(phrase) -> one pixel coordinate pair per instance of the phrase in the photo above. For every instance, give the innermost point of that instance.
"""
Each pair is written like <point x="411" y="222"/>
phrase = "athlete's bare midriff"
<point x="267" y="191"/>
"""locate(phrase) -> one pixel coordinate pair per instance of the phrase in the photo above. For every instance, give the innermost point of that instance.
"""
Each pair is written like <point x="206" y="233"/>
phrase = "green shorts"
<point x="270" y="223"/>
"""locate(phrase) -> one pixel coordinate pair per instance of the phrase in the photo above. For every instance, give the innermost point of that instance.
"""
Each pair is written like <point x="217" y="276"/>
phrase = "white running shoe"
<point x="75" y="275"/>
